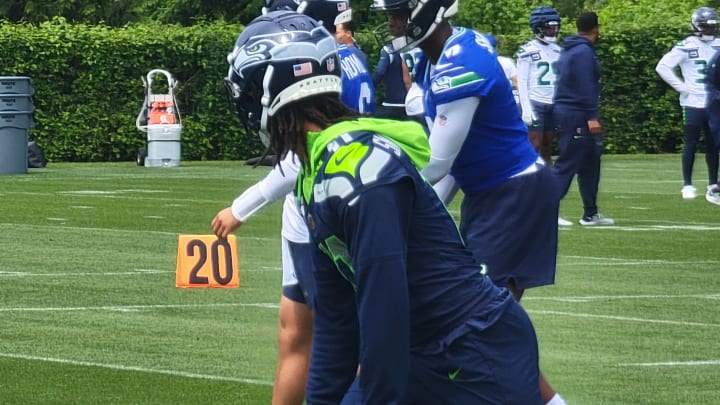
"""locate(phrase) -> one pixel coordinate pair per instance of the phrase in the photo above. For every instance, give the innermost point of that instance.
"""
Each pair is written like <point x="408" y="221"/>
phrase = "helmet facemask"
<point x="422" y="17"/>
<point x="548" y="32"/>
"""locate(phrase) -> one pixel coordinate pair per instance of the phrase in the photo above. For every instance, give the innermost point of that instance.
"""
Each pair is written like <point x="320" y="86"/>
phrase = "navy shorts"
<point x="493" y="365"/>
<point x="512" y="229"/>
<point x="544" y="117"/>
<point x="301" y="256"/>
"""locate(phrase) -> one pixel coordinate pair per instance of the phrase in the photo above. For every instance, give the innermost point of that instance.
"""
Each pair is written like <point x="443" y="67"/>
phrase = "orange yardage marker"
<point x="206" y="261"/>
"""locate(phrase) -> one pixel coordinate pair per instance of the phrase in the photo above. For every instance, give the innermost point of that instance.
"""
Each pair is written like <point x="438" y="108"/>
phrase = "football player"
<point x="295" y="313"/>
<point x="536" y="70"/>
<point x="396" y="291"/>
<point x="479" y="141"/>
<point x="692" y="55"/>
<point x="358" y="90"/>
<point x="392" y="71"/>
<point x="537" y="66"/>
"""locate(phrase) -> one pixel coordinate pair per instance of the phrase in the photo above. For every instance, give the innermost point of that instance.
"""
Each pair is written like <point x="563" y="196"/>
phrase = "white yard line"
<point x="121" y="367"/>
<point x="617" y="260"/>
<point x="622" y="318"/>
<point x="673" y="363"/>
<point x="131" y="308"/>
<point x="590" y="298"/>
<point x="88" y="273"/>
<point x="129" y="231"/>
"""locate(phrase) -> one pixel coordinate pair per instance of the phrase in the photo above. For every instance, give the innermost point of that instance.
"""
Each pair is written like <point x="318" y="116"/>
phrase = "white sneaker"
<point x="713" y="195"/>
<point x="564" y="222"/>
<point x="689" y="192"/>
<point x="597" y="219"/>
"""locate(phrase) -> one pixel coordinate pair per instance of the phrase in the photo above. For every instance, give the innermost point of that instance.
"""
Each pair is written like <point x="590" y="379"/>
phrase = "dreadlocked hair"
<point x="287" y="126"/>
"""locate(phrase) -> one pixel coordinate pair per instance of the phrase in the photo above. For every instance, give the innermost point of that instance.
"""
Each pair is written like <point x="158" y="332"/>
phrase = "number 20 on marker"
<point x="206" y="261"/>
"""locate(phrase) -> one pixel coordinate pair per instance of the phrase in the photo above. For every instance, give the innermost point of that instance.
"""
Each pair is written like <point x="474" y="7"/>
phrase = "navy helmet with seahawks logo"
<point x="545" y="23"/>
<point x="423" y="17"/>
<point x="281" y="57"/>
<point x="704" y="23"/>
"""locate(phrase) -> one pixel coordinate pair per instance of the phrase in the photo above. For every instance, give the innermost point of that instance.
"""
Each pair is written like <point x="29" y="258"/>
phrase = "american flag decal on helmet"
<point x="302" y="69"/>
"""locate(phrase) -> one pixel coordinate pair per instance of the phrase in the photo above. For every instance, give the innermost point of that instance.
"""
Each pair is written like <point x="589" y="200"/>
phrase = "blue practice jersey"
<point x="358" y="91"/>
<point x="390" y="260"/>
<point x="497" y="145"/>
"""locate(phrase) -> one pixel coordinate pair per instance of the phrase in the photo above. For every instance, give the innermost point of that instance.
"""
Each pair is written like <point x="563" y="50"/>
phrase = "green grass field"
<point x="89" y="311"/>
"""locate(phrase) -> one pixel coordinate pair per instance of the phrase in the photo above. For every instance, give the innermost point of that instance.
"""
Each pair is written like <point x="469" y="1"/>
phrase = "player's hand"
<point x="595" y="127"/>
<point x="528" y="117"/>
<point x="684" y="92"/>
<point x="225" y="223"/>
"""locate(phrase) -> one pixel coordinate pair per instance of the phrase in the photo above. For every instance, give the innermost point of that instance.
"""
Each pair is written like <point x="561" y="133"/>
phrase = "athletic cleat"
<point x="713" y="196"/>
<point x="689" y="192"/>
<point x="597" y="219"/>
<point x="564" y="222"/>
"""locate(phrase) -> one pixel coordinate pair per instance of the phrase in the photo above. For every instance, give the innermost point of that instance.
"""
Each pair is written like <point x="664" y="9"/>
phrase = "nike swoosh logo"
<point x="340" y="159"/>
<point x="454" y="374"/>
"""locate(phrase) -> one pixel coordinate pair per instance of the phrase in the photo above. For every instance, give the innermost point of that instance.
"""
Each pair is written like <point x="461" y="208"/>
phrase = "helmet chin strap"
<point x="265" y="102"/>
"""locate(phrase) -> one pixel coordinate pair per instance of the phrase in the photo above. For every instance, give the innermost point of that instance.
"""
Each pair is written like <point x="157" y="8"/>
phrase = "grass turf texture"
<point x="90" y="314"/>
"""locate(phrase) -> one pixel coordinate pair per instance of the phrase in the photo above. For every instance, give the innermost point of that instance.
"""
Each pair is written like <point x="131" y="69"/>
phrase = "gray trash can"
<point x="14" y="126"/>
<point x="16" y="109"/>
<point x="16" y="85"/>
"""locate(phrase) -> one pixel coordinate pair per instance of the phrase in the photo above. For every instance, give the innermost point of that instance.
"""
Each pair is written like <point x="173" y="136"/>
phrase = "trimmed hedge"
<point x="89" y="88"/>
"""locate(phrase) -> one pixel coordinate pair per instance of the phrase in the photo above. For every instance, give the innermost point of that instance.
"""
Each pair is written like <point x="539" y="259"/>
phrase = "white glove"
<point x="528" y="116"/>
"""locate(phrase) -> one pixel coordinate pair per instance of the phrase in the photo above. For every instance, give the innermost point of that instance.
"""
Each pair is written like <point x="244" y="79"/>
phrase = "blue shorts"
<point x="512" y="229"/>
<point x="544" y="117"/>
<point x="494" y="365"/>
<point x="300" y="254"/>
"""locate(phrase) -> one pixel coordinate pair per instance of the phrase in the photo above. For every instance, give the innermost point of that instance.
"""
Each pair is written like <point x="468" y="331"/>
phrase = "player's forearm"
<point x="447" y="136"/>
<point x="275" y="185"/>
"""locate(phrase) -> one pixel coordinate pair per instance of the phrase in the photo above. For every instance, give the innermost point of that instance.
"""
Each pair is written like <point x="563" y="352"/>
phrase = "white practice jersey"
<point x="692" y="56"/>
<point x="294" y="228"/>
<point x="537" y="70"/>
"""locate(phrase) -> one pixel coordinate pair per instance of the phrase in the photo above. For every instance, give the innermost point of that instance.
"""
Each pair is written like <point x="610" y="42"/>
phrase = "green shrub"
<point x="89" y="91"/>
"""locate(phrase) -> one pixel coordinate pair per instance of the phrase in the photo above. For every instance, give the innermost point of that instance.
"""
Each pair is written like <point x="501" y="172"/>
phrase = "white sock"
<point x="556" y="400"/>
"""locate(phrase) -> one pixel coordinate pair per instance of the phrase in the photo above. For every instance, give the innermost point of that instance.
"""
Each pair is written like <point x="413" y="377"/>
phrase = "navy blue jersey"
<point x="389" y="71"/>
<point x="497" y="146"/>
<point x="393" y="277"/>
<point x="358" y="91"/>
